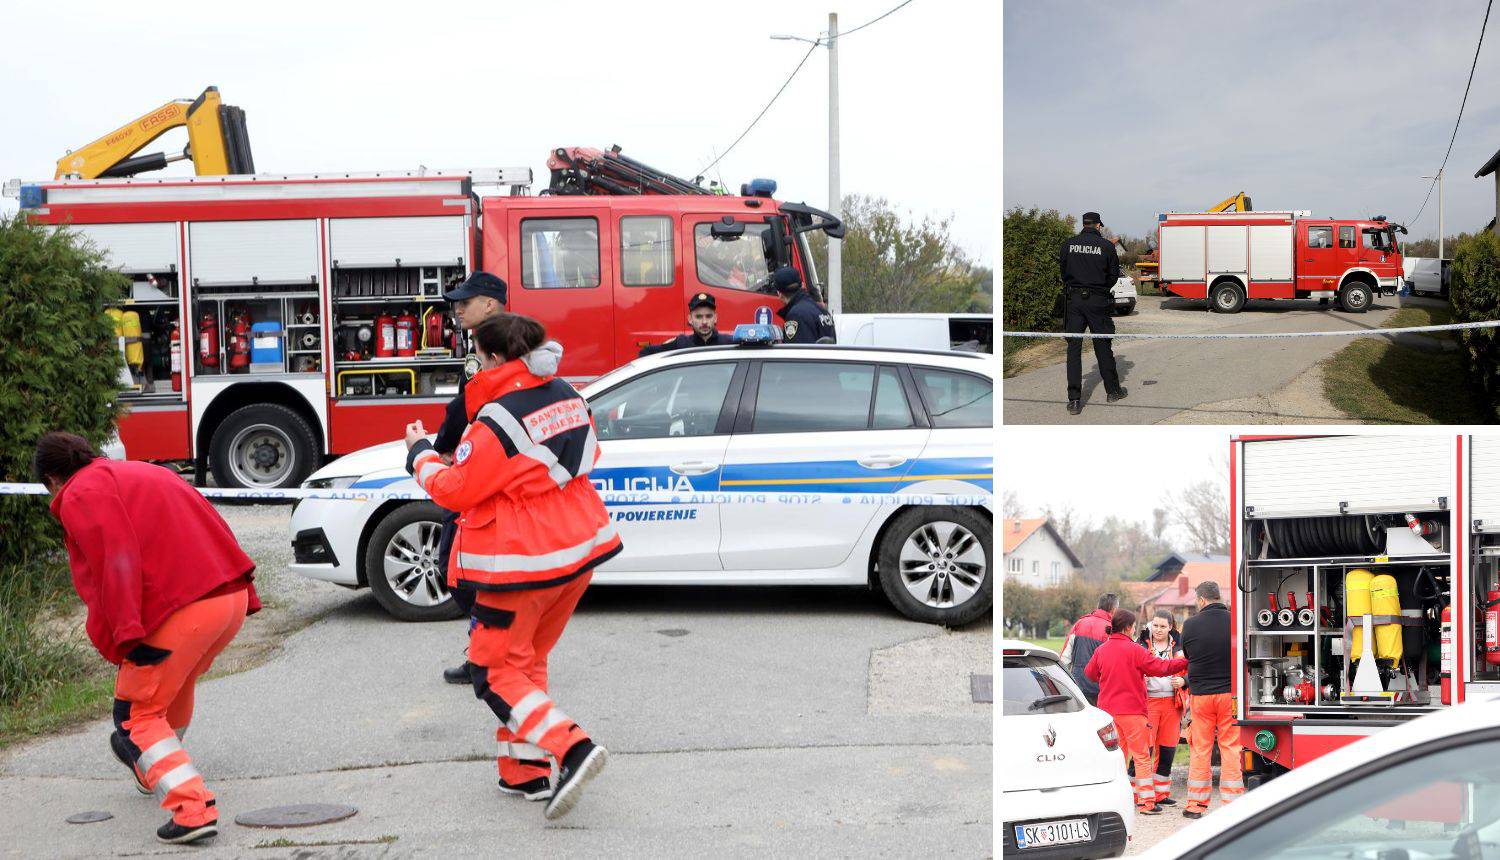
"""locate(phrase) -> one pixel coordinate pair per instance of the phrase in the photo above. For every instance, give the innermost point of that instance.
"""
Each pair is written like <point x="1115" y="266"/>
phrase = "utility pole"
<point x="1440" y="216"/>
<point x="835" y="196"/>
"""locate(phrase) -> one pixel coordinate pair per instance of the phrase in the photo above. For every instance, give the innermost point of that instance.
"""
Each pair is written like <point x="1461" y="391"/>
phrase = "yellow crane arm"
<point x="1238" y="203"/>
<point x="217" y="142"/>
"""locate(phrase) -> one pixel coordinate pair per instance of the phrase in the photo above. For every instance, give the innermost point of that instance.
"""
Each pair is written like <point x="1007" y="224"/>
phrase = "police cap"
<point x="1091" y="218"/>
<point x="787" y="279"/>
<point x="702" y="300"/>
<point x="478" y="284"/>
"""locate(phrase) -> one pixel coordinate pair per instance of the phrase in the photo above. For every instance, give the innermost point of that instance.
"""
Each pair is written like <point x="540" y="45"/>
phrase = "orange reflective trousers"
<point x="154" y="700"/>
<point x="1136" y="742"/>
<point x="1213" y="715"/>
<point x="514" y="631"/>
<point x="1166" y="731"/>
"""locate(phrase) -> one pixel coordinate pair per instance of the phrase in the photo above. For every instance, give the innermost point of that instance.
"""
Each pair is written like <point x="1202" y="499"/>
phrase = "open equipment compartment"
<point x="1340" y="536"/>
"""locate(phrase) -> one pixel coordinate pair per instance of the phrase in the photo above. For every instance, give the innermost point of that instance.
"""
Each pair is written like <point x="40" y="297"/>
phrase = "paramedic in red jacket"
<point x="1120" y="667"/>
<point x="531" y="532"/>
<point x="166" y="587"/>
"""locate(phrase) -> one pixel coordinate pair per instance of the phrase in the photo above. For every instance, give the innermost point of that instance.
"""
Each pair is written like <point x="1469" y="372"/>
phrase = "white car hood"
<point x="377" y="458"/>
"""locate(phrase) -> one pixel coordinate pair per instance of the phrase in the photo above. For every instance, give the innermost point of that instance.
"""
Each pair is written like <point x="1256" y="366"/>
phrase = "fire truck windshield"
<point x="1379" y="238"/>
<point x="741" y="263"/>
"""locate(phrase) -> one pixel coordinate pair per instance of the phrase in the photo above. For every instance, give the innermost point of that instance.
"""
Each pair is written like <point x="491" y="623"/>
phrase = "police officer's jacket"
<point x="1089" y="261"/>
<point x="806" y="321"/>
<point x="530" y="519"/>
<point x="683" y="341"/>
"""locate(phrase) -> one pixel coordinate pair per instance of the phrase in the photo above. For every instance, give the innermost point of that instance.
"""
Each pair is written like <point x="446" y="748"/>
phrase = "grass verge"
<point x="1381" y="382"/>
<point x="1022" y="354"/>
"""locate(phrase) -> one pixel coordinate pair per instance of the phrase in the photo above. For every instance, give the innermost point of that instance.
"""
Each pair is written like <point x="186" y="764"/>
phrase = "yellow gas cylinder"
<point x="1356" y="604"/>
<point x="130" y="326"/>
<point x="1385" y="600"/>
<point x="117" y="316"/>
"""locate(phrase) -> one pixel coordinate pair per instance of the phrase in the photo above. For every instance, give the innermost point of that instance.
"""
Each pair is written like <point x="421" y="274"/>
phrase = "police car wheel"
<point x="402" y="565"/>
<point x="1226" y="298"/>
<point x="262" y="446"/>
<point x="935" y="565"/>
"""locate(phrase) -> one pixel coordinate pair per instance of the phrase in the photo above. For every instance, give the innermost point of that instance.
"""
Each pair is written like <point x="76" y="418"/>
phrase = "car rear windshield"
<point x="1036" y="685"/>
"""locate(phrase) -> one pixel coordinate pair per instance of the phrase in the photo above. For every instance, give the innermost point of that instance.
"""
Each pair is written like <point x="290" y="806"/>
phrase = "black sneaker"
<point x="1112" y="396"/>
<point x="582" y="763"/>
<point x="178" y="834"/>
<point x="117" y="746"/>
<point x="1148" y="810"/>
<point x="1075" y="407"/>
<point x="1192" y="813"/>
<point x="532" y="789"/>
<point x="457" y="674"/>
<point x="1166" y="801"/>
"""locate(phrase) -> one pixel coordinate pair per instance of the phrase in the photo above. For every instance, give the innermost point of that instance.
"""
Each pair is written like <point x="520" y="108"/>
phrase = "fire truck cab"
<point x="1229" y="258"/>
<point x="274" y="321"/>
<point x="1345" y="540"/>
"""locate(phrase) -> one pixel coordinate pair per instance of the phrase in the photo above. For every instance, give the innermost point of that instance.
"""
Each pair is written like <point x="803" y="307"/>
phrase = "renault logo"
<point x="1050" y="736"/>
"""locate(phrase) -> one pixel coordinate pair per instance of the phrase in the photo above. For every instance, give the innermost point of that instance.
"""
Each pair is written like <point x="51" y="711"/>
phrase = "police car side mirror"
<point x="727" y="228"/>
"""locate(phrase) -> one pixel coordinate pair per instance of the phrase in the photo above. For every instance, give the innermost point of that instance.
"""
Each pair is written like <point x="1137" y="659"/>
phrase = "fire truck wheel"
<point x="1226" y="298"/>
<point x="265" y="446"/>
<point x="1355" y="297"/>
<point x="935" y="565"/>
<point x="401" y="565"/>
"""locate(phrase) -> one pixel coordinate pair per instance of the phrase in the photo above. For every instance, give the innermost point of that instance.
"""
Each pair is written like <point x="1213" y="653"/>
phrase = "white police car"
<point x="770" y="424"/>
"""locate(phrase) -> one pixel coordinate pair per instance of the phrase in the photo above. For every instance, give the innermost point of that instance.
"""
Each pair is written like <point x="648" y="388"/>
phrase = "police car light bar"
<point x="758" y="334"/>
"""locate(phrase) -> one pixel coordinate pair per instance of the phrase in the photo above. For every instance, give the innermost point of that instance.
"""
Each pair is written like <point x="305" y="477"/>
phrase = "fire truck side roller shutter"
<point x="430" y="241"/>
<point x="1271" y="252"/>
<point x="132" y="248"/>
<point x="239" y="252"/>
<point x="1363" y="474"/>
<point x="1182" y="253"/>
<point x="1484" y="482"/>
<point x="1226" y="249"/>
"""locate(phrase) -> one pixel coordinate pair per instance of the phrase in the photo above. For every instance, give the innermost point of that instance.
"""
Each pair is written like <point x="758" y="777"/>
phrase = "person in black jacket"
<point x="703" y="319"/>
<point x="1089" y="266"/>
<point x="475" y="300"/>
<point x="1206" y="641"/>
<point x="806" y="320"/>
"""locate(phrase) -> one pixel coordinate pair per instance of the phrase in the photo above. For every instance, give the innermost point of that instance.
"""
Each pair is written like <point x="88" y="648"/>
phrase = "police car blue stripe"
<point x="376" y="483"/>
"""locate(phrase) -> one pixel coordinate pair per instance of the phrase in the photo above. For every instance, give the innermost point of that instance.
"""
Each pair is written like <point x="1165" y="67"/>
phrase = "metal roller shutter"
<point x="1484" y="477"/>
<point x="135" y="247"/>
<point x="239" y="252"/>
<point x="1353" y="474"/>
<point x="430" y="241"/>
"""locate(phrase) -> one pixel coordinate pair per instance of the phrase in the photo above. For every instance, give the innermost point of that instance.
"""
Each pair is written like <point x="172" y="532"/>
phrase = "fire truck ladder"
<point x="582" y="171"/>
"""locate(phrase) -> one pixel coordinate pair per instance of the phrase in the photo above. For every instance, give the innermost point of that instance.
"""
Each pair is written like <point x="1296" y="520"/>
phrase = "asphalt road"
<point x="1217" y="381"/>
<point x="741" y="722"/>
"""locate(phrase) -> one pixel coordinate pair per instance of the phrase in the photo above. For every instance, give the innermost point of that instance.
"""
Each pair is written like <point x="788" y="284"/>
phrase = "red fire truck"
<point x="1231" y="257"/>
<point x="273" y="321"/>
<point x="1341" y="541"/>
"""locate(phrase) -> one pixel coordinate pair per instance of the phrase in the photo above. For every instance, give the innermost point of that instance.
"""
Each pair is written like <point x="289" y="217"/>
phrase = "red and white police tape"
<point x="1353" y="332"/>
<point x="611" y="497"/>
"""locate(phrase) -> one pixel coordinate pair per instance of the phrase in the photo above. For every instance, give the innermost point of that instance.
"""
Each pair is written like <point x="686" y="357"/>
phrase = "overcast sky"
<point x="1116" y="472"/>
<point x="1136" y="107"/>
<point x="336" y="87"/>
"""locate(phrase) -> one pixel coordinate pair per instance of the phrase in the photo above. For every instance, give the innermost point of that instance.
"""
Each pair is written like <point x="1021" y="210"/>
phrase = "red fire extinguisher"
<point x="406" y="333"/>
<point x="176" y="358"/>
<point x="1492" y="628"/>
<point x="385" y="335"/>
<point x="1445" y="674"/>
<point x="239" y="343"/>
<point x="208" y="341"/>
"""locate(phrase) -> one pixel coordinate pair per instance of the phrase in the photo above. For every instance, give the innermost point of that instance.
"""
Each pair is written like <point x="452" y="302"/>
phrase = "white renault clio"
<point x="773" y="422"/>
<point x="1064" y="791"/>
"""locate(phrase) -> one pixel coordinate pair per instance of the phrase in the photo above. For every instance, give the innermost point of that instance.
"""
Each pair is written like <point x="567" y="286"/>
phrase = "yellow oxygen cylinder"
<point x="130" y="326"/>
<point x="1385" y="600"/>
<point x="1356" y="604"/>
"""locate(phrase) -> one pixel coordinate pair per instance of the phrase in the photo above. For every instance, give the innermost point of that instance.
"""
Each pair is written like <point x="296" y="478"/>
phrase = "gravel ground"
<point x="1151" y="829"/>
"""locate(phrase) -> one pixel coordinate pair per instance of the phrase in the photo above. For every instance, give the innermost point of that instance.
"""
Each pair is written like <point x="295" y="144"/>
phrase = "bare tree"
<point x="1010" y="506"/>
<point x="1201" y="511"/>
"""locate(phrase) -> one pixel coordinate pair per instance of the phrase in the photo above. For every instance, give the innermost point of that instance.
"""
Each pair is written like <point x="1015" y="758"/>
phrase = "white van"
<point x="1426" y="275"/>
<point x="953" y="332"/>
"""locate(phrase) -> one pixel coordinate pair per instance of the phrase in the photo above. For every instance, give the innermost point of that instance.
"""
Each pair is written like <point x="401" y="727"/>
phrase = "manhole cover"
<point x="296" y="815"/>
<point x="90" y="817"/>
<point x="673" y="632"/>
<point x="982" y="688"/>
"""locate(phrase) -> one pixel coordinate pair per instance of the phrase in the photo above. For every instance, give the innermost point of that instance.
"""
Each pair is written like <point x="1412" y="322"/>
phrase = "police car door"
<point x="816" y="425"/>
<point x="666" y="432"/>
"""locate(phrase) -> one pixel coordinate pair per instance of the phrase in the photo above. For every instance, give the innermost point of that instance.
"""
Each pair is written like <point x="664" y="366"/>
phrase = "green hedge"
<point x="59" y="366"/>
<point x="1031" y="281"/>
<point x="1475" y="294"/>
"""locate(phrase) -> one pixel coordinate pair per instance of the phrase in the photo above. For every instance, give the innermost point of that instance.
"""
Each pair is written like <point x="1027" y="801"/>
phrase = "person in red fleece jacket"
<point x="1120" y="667"/>
<point x="167" y="587"/>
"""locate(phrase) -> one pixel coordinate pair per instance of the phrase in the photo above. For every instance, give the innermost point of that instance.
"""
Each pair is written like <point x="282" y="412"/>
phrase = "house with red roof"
<point x="1178" y="576"/>
<point x="1036" y="554"/>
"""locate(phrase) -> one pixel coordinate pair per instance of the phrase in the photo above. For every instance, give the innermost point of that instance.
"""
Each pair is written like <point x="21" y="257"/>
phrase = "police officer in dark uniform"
<point x="479" y="297"/>
<point x="1089" y="267"/>
<point x="703" y="319"/>
<point x="806" y="320"/>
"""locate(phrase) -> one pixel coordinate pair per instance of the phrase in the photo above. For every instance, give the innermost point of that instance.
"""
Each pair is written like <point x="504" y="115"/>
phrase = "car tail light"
<point x="1109" y="737"/>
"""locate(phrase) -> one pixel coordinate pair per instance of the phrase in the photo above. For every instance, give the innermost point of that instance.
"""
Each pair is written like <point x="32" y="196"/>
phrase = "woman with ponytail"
<point x="1164" y="703"/>
<point x="1120" y="667"/>
<point x="167" y="587"/>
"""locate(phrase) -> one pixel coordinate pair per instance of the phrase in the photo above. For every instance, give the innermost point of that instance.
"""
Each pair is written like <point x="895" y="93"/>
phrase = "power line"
<point x="817" y="43"/>
<point x="1460" y="119"/>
